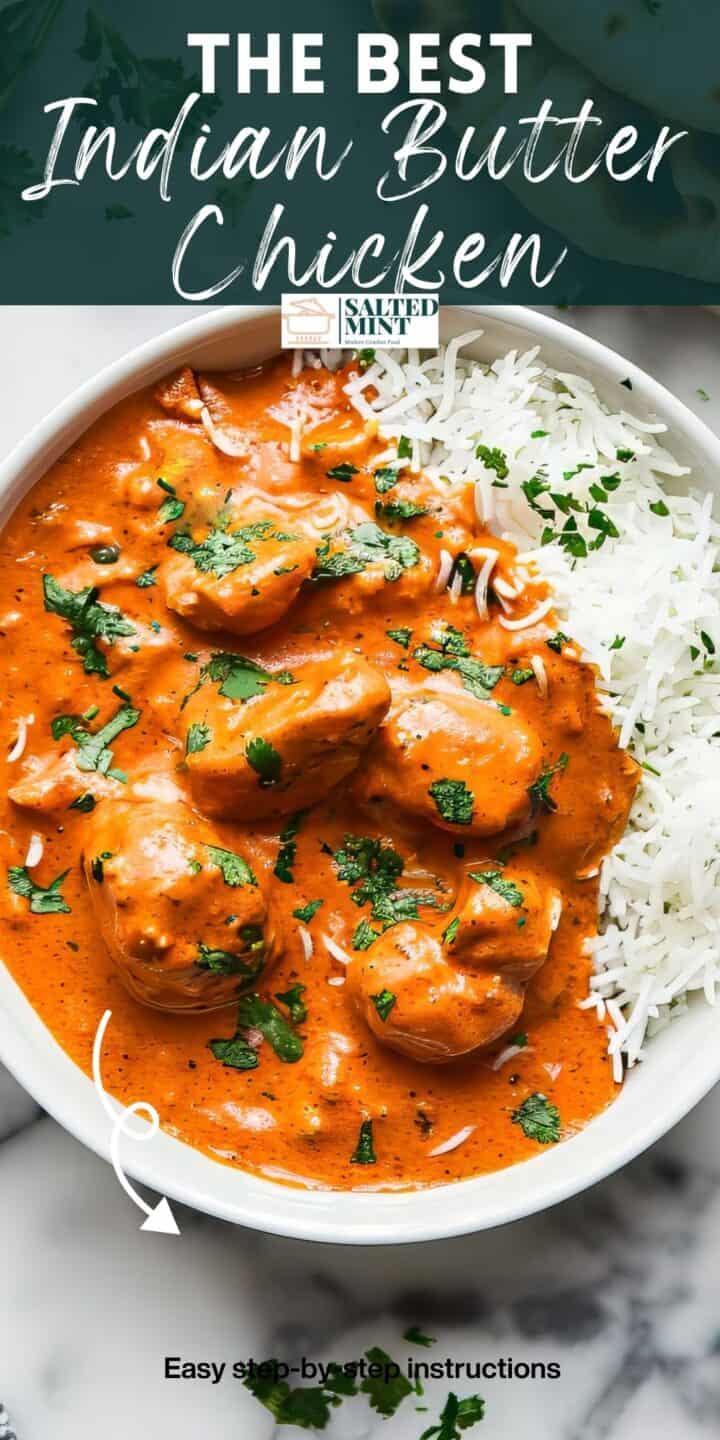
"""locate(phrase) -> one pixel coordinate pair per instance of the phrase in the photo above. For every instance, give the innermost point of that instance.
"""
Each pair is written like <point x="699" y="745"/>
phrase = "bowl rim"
<point x="262" y="1204"/>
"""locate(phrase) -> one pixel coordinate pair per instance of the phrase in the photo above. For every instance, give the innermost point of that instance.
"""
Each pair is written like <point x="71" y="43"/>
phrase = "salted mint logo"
<point x="384" y="320"/>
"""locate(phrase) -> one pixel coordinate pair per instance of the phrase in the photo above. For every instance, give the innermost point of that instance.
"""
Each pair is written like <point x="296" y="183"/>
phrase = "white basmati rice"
<point x="655" y="589"/>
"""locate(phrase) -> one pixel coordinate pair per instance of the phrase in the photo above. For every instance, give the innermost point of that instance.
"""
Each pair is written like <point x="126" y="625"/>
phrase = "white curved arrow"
<point x="159" y="1218"/>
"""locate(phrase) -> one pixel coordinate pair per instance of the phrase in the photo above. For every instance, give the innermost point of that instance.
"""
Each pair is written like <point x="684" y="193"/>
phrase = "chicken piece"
<point x="283" y="749"/>
<point x="54" y="781"/>
<point x="437" y="1012"/>
<point x="506" y="921"/>
<point x="461" y="763"/>
<point x="185" y="921"/>
<point x="179" y="395"/>
<point x="241" y="580"/>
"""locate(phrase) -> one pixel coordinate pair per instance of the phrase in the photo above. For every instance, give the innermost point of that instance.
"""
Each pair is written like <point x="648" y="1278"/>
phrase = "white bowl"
<point x="683" y="1062"/>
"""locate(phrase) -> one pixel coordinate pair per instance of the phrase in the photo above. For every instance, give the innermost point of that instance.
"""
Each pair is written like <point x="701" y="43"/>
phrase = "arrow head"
<point x="161" y="1220"/>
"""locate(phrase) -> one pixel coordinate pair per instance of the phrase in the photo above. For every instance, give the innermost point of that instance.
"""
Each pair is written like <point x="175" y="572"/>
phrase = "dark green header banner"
<point x="520" y="150"/>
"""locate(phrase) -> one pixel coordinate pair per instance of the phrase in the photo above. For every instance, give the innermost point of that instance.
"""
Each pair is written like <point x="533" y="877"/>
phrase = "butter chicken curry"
<point x="305" y="784"/>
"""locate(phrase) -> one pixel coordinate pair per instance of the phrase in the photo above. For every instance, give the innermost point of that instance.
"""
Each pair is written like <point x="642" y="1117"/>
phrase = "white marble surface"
<point x="619" y="1286"/>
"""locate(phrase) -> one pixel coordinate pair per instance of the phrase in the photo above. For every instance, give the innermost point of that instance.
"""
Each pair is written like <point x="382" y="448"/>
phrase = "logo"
<point x="386" y="322"/>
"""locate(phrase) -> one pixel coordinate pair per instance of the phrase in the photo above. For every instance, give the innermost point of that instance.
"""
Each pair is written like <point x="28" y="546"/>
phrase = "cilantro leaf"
<point x="89" y="620"/>
<point x="399" y="509"/>
<point x="364" y="1153"/>
<point x="44" y="900"/>
<point x="240" y="678"/>
<point x="402" y="636"/>
<point x="296" y="1006"/>
<point x="247" y="963"/>
<point x="493" y="460"/>
<point x="198" y="736"/>
<point x="456" y="1416"/>
<point x="147" y="579"/>
<point x="556" y="642"/>
<point x="506" y="889"/>
<point x="235" y="1053"/>
<point x="383" y="1003"/>
<point x="368" y="545"/>
<point x="387" y="1390"/>
<point x="306" y="912"/>
<point x="453" y="800"/>
<point x="262" y="1015"/>
<point x="414" y="1336"/>
<point x="235" y="870"/>
<point x="539" y="791"/>
<point x="479" y="679"/>
<point x="386" y="478"/>
<point x="93" y="749"/>
<point x="264" y="759"/>
<point x="342" y="472"/>
<point x="307" y="1406"/>
<point x="521" y="677"/>
<point x="288" y="848"/>
<point x="223" y="551"/>
<point x="539" y="1119"/>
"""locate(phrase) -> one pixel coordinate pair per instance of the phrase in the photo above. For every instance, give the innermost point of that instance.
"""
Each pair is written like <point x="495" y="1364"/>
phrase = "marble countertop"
<point x="618" y="1286"/>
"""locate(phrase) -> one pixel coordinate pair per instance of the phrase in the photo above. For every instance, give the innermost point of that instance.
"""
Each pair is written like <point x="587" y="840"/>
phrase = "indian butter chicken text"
<point x="320" y="826"/>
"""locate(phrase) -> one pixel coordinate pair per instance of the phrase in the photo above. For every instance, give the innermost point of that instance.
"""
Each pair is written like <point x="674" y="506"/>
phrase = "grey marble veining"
<point x="619" y="1285"/>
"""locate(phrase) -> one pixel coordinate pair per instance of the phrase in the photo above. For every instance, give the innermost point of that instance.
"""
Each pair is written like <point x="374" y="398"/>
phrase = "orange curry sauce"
<point x="100" y="519"/>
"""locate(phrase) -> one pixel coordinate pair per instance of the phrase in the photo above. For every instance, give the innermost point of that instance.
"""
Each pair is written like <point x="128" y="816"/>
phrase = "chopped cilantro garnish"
<point x="399" y="509"/>
<point x="456" y="1416"/>
<point x="89" y="620"/>
<point x="539" y="791"/>
<point x="556" y="642"/>
<point x="402" y="636"/>
<point x="235" y="1053"/>
<point x="414" y="1336"/>
<point x="506" y="889"/>
<point x="307" y="1406"/>
<point x="404" y="448"/>
<point x="248" y="962"/>
<point x="44" y="899"/>
<point x="452" y="654"/>
<point x="374" y="869"/>
<point x="624" y="455"/>
<point x="451" y="930"/>
<point x="701" y="392"/>
<point x="262" y="1015"/>
<point x="659" y="508"/>
<point x="306" y="912"/>
<point x="342" y="472"/>
<point x="708" y="642"/>
<point x="383" y="1003"/>
<point x="386" y="1390"/>
<point x="364" y="1153"/>
<point x="365" y="358"/>
<point x="171" y="508"/>
<point x="539" y="1119"/>
<point x="386" y="478"/>
<point x="295" y="1004"/>
<point x="288" y="848"/>
<point x="368" y="544"/>
<point x="198" y="736"/>
<point x="235" y="870"/>
<point x="224" y="551"/>
<point x="93" y="749"/>
<point x="493" y="460"/>
<point x="521" y="677"/>
<point x="264" y="759"/>
<point x="453" y="800"/>
<point x="240" y="678"/>
<point x="85" y="803"/>
<point x="538" y="434"/>
<point x="147" y="578"/>
<point x="617" y="643"/>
